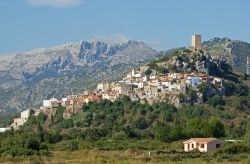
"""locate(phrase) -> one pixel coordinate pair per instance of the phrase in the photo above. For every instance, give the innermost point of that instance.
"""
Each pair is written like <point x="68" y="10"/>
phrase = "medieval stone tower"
<point x="196" y="41"/>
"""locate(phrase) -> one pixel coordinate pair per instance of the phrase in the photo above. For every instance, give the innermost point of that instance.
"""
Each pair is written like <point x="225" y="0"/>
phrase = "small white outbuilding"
<point x="202" y="144"/>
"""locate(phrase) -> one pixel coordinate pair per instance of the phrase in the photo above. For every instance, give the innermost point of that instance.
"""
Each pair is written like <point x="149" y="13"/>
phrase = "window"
<point x="217" y="145"/>
<point x="202" y="145"/>
<point x="192" y="145"/>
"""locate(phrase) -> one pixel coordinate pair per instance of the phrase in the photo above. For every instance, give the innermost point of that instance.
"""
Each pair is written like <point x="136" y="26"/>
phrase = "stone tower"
<point x="196" y="41"/>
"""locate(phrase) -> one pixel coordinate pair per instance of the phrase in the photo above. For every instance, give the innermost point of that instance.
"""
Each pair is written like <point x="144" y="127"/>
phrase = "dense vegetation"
<point x="123" y="125"/>
<point x="126" y="126"/>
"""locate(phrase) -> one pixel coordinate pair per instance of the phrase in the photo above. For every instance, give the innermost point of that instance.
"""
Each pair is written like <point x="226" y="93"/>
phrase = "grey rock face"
<point x="233" y="51"/>
<point x="28" y="78"/>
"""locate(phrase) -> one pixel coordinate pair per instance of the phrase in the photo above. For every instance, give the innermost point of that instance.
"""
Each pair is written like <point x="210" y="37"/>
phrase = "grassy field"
<point x="131" y="152"/>
<point x="121" y="157"/>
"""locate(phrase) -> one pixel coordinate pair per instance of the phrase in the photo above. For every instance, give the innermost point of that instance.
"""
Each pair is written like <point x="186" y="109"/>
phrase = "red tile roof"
<point x="200" y="140"/>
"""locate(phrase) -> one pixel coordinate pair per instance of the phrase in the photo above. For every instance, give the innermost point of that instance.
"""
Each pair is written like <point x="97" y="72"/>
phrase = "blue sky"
<point x="164" y="24"/>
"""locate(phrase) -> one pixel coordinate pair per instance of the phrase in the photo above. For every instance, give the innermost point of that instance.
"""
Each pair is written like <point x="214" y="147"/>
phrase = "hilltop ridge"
<point x="28" y="77"/>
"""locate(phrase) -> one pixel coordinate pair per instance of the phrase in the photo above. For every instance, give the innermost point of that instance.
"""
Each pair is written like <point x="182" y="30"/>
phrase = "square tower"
<point x="196" y="41"/>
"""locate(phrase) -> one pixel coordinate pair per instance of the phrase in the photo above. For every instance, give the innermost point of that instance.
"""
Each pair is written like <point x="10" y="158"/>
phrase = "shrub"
<point x="216" y="101"/>
<point x="237" y="149"/>
<point x="70" y="145"/>
<point x="120" y="136"/>
<point x="94" y="134"/>
<point x="32" y="143"/>
<point x="140" y="123"/>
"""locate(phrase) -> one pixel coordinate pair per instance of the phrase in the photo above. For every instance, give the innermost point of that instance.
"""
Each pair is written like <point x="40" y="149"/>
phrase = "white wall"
<point x="46" y="103"/>
<point x="202" y="149"/>
<point x="25" y="114"/>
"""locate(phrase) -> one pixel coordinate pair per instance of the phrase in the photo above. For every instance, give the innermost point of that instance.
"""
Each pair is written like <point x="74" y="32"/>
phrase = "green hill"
<point x="123" y="125"/>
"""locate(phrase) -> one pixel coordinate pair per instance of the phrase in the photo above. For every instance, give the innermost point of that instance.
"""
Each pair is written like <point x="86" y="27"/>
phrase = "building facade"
<point x="202" y="144"/>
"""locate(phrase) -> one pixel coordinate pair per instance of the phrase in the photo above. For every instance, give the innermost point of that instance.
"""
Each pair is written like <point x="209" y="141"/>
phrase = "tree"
<point x="162" y="133"/>
<point x="148" y="72"/>
<point x="66" y="123"/>
<point x="32" y="143"/>
<point x="94" y="134"/>
<point x="82" y="119"/>
<point x="247" y="136"/>
<point x="217" y="129"/>
<point x="59" y="114"/>
<point x="140" y="123"/>
<point x="216" y="100"/>
<point x="41" y="118"/>
<point x="53" y="137"/>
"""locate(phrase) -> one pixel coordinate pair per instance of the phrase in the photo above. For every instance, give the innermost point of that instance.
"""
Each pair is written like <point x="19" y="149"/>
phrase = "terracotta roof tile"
<point x="200" y="140"/>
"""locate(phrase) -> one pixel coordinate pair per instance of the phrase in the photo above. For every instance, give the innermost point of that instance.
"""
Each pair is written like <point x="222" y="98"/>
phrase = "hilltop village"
<point x="179" y="80"/>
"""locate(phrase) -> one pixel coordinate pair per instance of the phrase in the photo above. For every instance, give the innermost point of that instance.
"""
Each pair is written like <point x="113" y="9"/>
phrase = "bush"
<point x="94" y="134"/>
<point x="70" y="145"/>
<point x="59" y="114"/>
<point x="66" y="123"/>
<point x="32" y="143"/>
<point x="140" y="123"/>
<point x="18" y="151"/>
<point x="216" y="101"/>
<point x="237" y="149"/>
<point x="83" y="119"/>
<point x="120" y="136"/>
<point x="53" y="137"/>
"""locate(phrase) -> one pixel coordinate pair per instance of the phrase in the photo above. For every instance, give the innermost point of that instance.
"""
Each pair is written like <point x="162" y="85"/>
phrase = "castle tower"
<point x="133" y="73"/>
<point x="248" y="66"/>
<point x="196" y="41"/>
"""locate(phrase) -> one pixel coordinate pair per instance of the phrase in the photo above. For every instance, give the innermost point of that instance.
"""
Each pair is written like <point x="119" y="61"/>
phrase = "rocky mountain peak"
<point x="42" y="73"/>
<point x="234" y="52"/>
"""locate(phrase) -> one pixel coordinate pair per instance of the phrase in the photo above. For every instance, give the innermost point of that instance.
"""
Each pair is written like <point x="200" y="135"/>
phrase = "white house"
<point x="24" y="117"/>
<point x="65" y="102"/>
<point x="141" y="84"/>
<point x="27" y="113"/>
<point x="202" y="144"/>
<point x="154" y="82"/>
<point x="145" y="78"/>
<point x="112" y="96"/>
<point x="151" y="77"/>
<point x="122" y="88"/>
<point x="46" y="103"/>
<point x="50" y="103"/>
<point x="151" y="91"/>
<point x="174" y="75"/>
<point x="2" y="130"/>
<point x="102" y="87"/>
<point x="182" y="88"/>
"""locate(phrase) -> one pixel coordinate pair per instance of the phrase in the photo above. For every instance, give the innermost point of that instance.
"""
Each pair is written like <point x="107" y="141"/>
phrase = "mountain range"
<point x="28" y="78"/>
<point x="235" y="52"/>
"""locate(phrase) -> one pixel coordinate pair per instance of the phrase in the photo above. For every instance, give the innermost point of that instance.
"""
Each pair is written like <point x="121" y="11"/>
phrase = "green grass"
<point x="118" y="157"/>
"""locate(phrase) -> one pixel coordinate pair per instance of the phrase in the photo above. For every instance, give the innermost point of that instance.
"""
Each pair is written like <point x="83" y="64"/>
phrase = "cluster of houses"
<point x="138" y="87"/>
<point x="142" y="88"/>
<point x="152" y="88"/>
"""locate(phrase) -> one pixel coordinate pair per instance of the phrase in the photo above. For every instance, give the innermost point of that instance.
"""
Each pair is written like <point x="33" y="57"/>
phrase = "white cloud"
<point x="113" y="38"/>
<point x="56" y="3"/>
